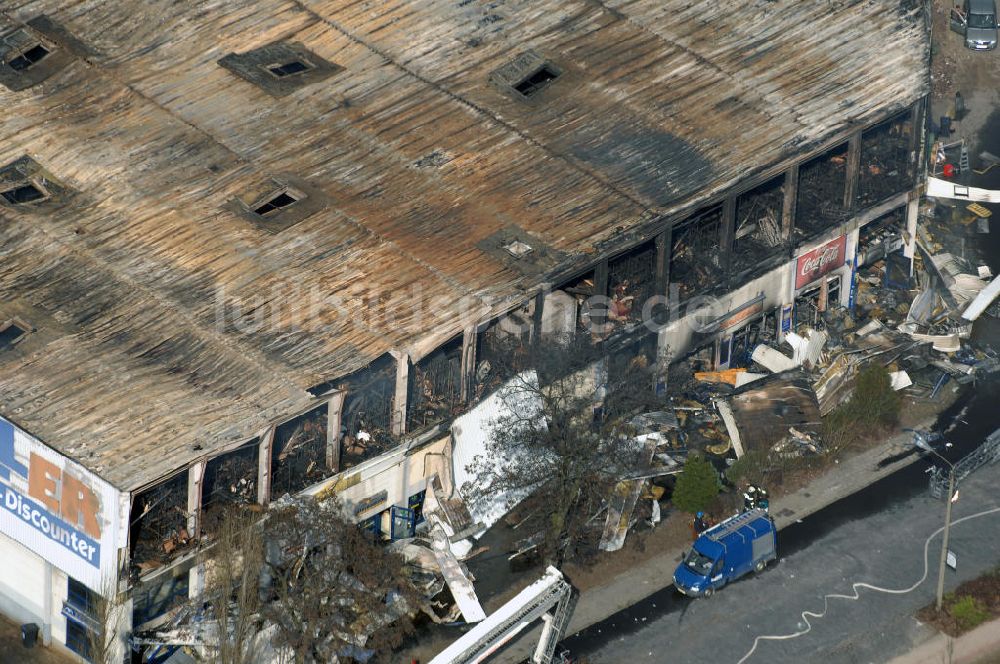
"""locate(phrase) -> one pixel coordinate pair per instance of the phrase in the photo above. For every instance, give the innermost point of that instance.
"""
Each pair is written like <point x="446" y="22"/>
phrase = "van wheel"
<point x="759" y="567"/>
<point x="708" y="592"/>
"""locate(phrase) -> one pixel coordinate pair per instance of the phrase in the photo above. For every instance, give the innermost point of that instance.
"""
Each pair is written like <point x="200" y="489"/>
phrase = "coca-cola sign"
<point x="819" y="261"/>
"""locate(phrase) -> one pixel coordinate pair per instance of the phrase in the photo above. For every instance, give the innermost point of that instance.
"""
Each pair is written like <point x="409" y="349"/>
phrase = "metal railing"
<point x="988" y="452"/>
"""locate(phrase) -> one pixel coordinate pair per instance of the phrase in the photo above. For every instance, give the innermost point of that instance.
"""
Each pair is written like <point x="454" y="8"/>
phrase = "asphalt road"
<point x="883" y="546"/>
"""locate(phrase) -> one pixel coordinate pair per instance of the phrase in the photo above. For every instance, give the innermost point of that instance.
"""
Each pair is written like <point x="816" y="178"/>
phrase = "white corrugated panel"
<point x="472" y="431"/>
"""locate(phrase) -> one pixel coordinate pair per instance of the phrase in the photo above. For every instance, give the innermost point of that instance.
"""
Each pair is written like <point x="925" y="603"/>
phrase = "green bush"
<point x="697" y="485"/>
<point x="874" y="401"/>
<point x="968" y="612"/>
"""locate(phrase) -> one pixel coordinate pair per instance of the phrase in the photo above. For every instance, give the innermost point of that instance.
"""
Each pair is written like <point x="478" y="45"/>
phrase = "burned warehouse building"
<point x="264" y="248"/>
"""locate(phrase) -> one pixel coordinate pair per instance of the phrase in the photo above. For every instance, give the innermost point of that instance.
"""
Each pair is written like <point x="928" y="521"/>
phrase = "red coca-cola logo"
<point x="819" y="261"/>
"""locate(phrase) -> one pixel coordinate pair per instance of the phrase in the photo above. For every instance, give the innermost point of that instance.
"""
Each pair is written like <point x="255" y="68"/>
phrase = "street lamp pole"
<point x="921" y="442"/>
<point x="944" y="539"/>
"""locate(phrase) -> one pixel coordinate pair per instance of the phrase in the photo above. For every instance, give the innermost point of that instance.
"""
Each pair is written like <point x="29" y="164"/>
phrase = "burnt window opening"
<point x="435" y="389"/>
<point x="757" y="237"/>
<point x="820" y="204"/>
<point x="885" y="160"/>
<point x="536" y="81"/>
<point x="695" y="258"/>
<point x="881" y="237"/>
<point x="503" y="350"/>
<point x="158" y="531"/>
<point x="230" y="481"/>
<point x="587" y="312"/>
<point x="631" y="281"/>
<point x="28" y="58"/>
<point x="298" y="453"/>
<point x="276" y="202"/>
<point x="24" y="194"/>
<point x="11" y="333"/>
<point x="366" y="418"/>
<point x="290" y="68"/>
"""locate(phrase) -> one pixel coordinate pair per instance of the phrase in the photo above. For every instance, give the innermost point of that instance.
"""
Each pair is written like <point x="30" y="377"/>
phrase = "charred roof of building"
<point x="187" y="308"/>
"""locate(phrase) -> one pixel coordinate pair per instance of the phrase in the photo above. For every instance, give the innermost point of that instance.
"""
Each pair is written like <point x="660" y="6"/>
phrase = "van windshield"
<point x="982" y="21"/>
<point x="698" y="563"/>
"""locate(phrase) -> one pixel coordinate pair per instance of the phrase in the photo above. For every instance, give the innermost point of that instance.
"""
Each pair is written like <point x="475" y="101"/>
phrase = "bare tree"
<point x="105" y="637"/>
<point x="336" y="595"/>
<point x="564" y="438"/>
<point x="233" y="584"/>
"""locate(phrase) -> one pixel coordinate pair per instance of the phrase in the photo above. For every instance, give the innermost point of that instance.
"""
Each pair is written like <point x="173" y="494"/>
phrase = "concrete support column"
<point x="196" y="476"/>
<point x="398" y="418"/>
<point x="791" y="195"/>
<point x="853" y="170"/>
<point x="469" y="337"/>
<point x="912" y="216"/>
<point x="264" y="466"/>
<point x="663" y="261"/>
<point x="334" y="409"/>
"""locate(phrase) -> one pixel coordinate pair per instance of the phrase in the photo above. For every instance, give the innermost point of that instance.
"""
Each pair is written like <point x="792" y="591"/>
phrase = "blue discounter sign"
<point x="57" y="508"/>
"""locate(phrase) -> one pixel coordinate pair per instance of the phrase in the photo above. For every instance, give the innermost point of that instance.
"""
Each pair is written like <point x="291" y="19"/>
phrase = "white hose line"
<point x="855" y="586"/>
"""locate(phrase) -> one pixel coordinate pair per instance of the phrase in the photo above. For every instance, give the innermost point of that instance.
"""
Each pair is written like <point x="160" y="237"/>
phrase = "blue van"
<point x="739" y="545"/>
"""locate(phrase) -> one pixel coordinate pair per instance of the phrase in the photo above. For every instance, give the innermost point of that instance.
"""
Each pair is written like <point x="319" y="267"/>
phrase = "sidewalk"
<point x="12" y="651"/>
<point x="980" y="646"/>
<point x="624" y="590"/>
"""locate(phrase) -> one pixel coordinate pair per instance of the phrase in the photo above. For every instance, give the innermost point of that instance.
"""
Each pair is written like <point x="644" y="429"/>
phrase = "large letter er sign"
<point x="57" y="508"/>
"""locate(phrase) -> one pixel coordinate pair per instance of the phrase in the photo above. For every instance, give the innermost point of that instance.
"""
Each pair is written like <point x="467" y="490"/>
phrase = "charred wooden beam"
<point x="853" y="170"/>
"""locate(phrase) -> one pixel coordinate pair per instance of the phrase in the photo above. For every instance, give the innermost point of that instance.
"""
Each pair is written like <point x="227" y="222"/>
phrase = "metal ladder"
<point x="963" y="159"/>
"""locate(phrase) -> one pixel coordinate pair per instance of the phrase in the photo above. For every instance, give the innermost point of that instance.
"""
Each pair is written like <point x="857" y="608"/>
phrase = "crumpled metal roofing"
<point x="659" y="102"/>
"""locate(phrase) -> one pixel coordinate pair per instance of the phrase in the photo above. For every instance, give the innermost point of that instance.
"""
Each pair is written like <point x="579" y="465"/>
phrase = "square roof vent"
<point x="526" y="75"/>
<point x="279" y="203"/>
<point x="280" y="68"/>
<point x="34" y="52"/>
<point x="26" y="186"/>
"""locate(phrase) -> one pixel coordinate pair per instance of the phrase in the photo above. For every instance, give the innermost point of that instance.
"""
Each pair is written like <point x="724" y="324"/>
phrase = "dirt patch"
<point x="955" y="68"/>
<point x="973" y="603"/>
<point x="11" y="649"/>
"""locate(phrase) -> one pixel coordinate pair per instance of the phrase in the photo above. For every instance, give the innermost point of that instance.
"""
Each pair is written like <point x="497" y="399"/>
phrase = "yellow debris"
<point x="978" y="210"/>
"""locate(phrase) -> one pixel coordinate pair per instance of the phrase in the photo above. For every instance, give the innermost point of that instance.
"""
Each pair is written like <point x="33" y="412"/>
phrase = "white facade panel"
<point x="58" y="509"/>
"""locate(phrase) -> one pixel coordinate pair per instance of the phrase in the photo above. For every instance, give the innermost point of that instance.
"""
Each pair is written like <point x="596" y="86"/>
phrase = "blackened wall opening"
<point x="757" y="241"/>
<point x="298" y="453"/>
<point x="158" y="523"/>
<point x="502" y="352"/>
<point x="695" y="256"/>
<point x="886" y="168"/>
<point x="435" y="388"/>
<point x="822" y="183"/>
<point x="365" y="421"/>
<point x="230" y="480"/>
<point x="631" y="282"/>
